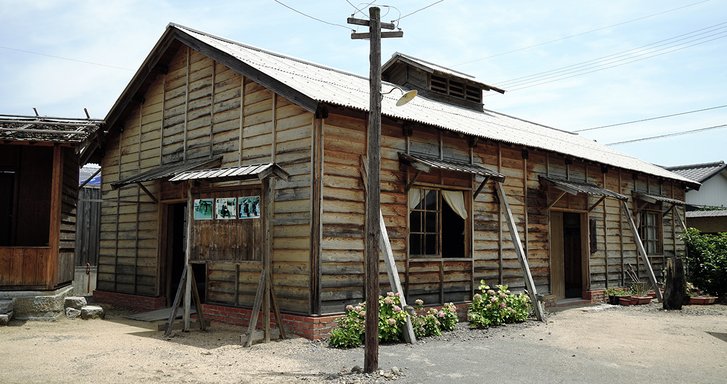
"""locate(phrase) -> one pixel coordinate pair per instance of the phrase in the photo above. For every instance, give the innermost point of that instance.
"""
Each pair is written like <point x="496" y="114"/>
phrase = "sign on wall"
<point x="249" y="207"/>
<point x="225" y="208"/>
<point x="203" y="209"/>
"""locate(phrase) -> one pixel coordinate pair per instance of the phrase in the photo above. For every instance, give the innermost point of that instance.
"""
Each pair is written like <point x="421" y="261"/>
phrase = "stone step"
<point x="76" y="302"/>
<point x="7" y="306"/>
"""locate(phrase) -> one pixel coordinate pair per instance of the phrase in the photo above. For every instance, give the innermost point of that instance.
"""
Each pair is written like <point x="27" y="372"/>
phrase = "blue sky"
<point x="656" y="57"/>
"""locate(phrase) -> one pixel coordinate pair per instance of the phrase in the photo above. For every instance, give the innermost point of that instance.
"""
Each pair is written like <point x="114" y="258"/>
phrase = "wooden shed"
<point x="201" y="102"/>
<point x="39" y="162"/>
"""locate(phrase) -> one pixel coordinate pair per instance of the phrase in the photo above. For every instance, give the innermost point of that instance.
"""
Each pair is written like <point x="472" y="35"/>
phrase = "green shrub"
<point x="351" y="328"/>
<point x="707" y="261"/>
<point x="497" y="307"/>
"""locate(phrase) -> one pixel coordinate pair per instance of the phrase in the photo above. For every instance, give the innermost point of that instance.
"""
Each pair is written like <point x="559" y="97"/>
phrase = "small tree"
<point x="707" y="261"/>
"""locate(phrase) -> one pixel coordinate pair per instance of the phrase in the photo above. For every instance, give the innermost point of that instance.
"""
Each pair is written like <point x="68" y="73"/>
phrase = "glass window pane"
<point x="430" y="200"/>
<point x="431" y="222"/>
<point x="415" y="242"/>
<point x="415" y="221"/>
<point x="431" y="244"/>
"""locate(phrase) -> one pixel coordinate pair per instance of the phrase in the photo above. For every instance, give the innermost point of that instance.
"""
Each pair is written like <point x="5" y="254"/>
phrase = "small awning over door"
<point x="426" y="164"/>
<point x="656" y="198"/>
<point x="575" y="187"/>
<point x="166" y="171"/>
<point x="246" y="172"/>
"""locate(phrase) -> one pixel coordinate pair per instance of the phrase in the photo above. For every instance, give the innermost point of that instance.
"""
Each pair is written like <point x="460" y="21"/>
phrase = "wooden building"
<point x="200" y="102"/>
<point x="39" y="161"/>
<point x="706" y="205"/>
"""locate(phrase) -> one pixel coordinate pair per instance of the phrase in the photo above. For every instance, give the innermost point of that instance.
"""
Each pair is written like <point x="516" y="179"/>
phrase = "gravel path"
<point x="601" y="344"/>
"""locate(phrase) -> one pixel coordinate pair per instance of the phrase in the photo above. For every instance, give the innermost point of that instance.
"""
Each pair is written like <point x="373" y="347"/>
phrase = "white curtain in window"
<point x="455" y="199"/>
<point x="415" y="196"/>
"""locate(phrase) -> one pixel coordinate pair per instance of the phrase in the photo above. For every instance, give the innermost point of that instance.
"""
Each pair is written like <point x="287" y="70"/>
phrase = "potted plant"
<point x="697" y="296"/>
<point x="640" y="290"/>
<point x="614" y="295"/>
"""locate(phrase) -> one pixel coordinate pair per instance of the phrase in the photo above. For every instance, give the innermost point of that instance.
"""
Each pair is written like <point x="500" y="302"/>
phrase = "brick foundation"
<point x="310" y="327"/>
<point x="133" y="302"/>
<point x="596" y="296"/>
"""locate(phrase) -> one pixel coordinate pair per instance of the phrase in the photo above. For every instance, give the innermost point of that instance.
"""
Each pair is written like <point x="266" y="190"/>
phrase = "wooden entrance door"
<point x="176" y="217"/>
<point x="572" y="255"/>
<point x="566" y="254"/>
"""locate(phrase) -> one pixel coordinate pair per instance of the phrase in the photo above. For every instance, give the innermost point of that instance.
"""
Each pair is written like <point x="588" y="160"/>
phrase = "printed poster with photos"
<point x="225" y="208"/>
<point x="249" y="207"/>
<point x="203" y="209"/>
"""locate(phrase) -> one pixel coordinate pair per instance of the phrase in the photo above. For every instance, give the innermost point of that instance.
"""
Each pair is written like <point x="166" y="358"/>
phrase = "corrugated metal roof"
<point x="699" y="172"/>
<point x="336" y="87"/>
<point x="587" y="188"/>
<point x="647" y="197"/>
<point x="256" y="171"/>
<point x="47" y="129"/>
<point x="448" y="165"/>
<point x="165" y="171"/>
<point x="713" y="213"/>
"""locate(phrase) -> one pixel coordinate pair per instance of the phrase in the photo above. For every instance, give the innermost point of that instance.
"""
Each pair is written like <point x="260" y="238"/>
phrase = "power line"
<point x="66" y="58"/>
<point x="667" y="43"/>
<point x="670" y="134"/>
<point x="649" y="119"/>
<point x="313" y="17"/>
<point x="418" y="10"/>
<point x="606" y="62"/>
<point x="359" y="10"/>
<point x="580" y="33"/>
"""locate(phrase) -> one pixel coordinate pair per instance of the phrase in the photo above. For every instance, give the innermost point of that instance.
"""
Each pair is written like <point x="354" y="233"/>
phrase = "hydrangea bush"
<point x="392" y="319"/>
<point x="497" y="306"/>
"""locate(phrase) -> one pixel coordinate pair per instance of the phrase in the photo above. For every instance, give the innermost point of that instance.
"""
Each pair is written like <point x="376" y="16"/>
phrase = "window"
<point x="437" y="223"/>
<point x="455" y="88"/>
<point x="651" y="231"/>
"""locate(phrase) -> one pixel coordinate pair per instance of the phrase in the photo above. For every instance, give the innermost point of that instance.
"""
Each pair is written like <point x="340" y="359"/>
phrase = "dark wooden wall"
<point x="88" y="224"/>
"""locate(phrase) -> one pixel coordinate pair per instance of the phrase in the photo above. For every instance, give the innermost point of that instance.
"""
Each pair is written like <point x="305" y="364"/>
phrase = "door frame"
<point x="556" y="256"/>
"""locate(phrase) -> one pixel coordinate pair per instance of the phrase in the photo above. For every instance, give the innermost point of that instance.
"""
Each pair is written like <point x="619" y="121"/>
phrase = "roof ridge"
<point x="321" y="66"/>
<point x="698" y="165"/>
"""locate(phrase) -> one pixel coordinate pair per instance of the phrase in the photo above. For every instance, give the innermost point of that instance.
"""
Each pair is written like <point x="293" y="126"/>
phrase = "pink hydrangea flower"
<point x="396" y="308"/>
<point x="390" y="294"/>
<point x="419" y="302"/>
<point x="388" y="301"/>
<point x="440" y="313"/>
<point x="490" y="292"/>
<point x="503" y="305"/>
<point x="391" y="321"/>
<point x="493" y="299"/>
<point x="358" y="308"/>
<point x="349" y="307"/>
<point x="362" y="313"/>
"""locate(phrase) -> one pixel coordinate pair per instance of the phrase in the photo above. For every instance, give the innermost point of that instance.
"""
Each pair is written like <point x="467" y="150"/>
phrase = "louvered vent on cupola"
<point x="435" y="82"/>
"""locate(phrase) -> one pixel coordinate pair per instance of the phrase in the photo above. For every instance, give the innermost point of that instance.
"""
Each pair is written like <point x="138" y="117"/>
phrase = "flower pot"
<point x="625" y="300"/>
<point x="613" y="299"/>
<point x="640" y="300"/>
<point x="702" y="300"/>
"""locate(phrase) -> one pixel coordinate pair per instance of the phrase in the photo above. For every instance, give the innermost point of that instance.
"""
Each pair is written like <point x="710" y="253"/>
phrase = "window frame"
<point x="653" y="246"/>
<point x="438" y="255"/>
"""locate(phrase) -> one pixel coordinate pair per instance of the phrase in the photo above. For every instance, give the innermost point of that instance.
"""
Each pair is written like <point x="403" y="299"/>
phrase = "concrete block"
<point x="72" y="313"/>
<point x="7" y="305"/>
<point x="92" y="312"/>
<point x="40" y="305"/>
<point x="75" y="302"/>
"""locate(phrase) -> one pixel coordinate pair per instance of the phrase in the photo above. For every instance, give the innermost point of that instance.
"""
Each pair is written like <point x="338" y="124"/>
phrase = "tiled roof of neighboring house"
<point x="712" y="213"/>
<point x="47" y="129"/>
<point x="311" y="85"/>
<point x="699" y="172"/>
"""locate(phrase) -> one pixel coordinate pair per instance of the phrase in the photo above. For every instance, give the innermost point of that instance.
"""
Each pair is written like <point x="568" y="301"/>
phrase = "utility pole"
<point x="373" y="202"/>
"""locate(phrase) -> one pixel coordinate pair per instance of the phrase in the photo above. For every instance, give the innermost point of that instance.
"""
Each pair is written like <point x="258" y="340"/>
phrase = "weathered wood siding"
<point x="493" y="257"/>
<point x="202" y="109"/>
<point x="69" y="197"/>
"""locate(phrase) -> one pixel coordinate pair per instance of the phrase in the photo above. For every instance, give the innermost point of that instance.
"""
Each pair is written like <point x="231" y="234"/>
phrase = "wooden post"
<point x="537" y="305"/>
<point x="642" y="250"/>
<point x="187" y="251"/>
<point x="267" y="253"/>
<point x="389" y="261"/>
<point x="373" y="232"/>
<point x="54" y="230"/>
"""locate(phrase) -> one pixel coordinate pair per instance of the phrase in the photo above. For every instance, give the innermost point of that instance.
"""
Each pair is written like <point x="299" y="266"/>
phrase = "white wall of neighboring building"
<point x="713" y="192"/>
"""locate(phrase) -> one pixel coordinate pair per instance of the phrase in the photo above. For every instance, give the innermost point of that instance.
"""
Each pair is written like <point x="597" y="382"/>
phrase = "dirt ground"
<point x="597" y="345"/>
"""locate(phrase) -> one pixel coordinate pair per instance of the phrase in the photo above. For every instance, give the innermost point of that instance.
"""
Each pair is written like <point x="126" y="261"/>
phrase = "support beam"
<point x="148" y="193"/>
<point x="551" y="205"/>
<point x="187" y="266"/>
<point x="596" y="203"/>
<point x="641" y="249"/>
<point x="537" y="305"/>
<point x="479" y="189"/>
